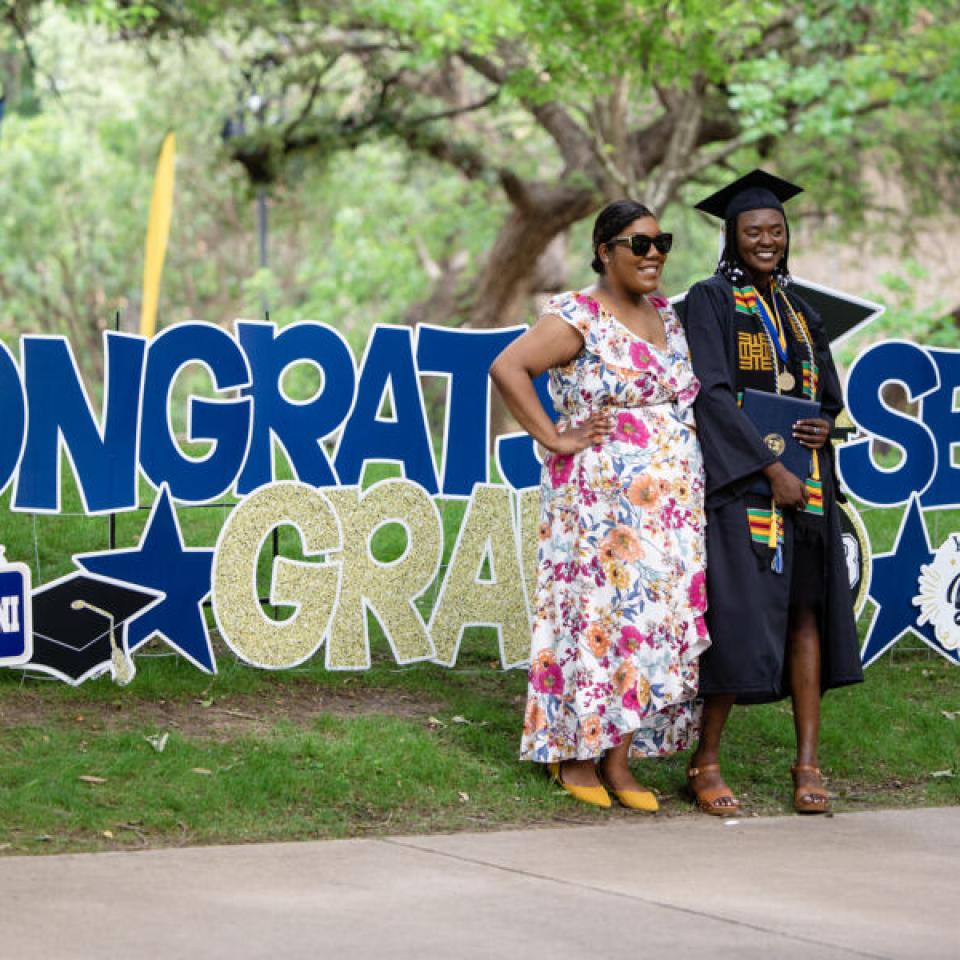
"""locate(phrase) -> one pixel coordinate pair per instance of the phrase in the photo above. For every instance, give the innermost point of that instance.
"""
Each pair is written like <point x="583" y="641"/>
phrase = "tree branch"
<point x="576" y="145"/>
<point x="453" y="111"/>
<point x="469" y="160"/>
<point x="683" y="137"/>
<point x="705" y="160"/>
<point x="307" y="107"/>
<point x="13" y="18"/>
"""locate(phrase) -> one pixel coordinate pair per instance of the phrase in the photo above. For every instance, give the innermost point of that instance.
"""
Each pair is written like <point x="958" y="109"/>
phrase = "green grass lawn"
<point x="302" y="754"/>
<point x="252" y="755"/>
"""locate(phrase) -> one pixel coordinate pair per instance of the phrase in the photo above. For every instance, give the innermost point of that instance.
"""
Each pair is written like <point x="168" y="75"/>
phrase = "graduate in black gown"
<point x="779" y="612"/>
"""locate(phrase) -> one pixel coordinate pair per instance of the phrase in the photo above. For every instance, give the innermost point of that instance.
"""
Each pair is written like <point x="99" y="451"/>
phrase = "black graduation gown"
<point x="748" y="601"/>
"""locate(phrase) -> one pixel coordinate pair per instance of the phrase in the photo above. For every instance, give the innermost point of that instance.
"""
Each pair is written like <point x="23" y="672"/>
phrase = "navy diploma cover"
<point x="774" y="416"/>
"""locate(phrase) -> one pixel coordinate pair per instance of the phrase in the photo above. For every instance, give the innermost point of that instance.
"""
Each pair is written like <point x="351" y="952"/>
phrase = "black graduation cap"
<point x="842" y="313"/>
<point x="757" y="190"/>
<point x="80" y="627"/>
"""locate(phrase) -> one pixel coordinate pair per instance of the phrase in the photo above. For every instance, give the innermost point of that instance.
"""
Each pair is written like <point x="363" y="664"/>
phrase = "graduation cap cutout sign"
<point x="842" y="313"/>
<point x="80" y="627"/>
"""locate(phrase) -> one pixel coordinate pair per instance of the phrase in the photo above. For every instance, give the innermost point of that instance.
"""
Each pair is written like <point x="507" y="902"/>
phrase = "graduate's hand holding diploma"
<point x="812" y="432"/>
<point x="787" y="488"/>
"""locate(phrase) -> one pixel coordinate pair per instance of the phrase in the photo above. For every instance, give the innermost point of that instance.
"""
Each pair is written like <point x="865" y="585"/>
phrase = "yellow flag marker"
<point x="158" y="230"/>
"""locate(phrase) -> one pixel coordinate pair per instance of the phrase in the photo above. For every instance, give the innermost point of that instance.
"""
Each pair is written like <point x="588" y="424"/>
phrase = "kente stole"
<point x="758" y="369"/>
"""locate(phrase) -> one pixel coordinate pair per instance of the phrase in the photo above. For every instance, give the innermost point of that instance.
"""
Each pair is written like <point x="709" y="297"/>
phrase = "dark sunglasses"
<point x="640" y="243"/>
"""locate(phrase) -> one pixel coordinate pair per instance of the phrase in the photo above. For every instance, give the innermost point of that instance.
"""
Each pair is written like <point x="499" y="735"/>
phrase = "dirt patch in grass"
<point x="219" y="719"/>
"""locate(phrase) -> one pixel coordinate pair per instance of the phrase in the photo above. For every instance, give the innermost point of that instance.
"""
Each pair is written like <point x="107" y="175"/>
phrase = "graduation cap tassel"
<point x="120" y="666"/>
<point x="775" y="539"/>
<point x="122" y="674"/>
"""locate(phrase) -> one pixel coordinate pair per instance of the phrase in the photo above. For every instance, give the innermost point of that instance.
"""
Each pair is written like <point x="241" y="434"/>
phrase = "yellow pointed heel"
<point x="644" y="800"/>
<point x="595" y="796"/>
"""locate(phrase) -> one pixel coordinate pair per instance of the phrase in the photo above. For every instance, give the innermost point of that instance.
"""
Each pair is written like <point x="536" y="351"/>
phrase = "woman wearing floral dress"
<point x="618" y="618"/>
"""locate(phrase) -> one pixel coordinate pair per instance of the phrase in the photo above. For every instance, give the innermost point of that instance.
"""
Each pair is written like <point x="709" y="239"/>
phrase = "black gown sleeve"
<point x="733" y="450"/>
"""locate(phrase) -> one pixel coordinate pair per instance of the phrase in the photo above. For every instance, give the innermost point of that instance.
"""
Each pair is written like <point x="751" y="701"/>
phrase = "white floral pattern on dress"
<point x="621" y="590"/>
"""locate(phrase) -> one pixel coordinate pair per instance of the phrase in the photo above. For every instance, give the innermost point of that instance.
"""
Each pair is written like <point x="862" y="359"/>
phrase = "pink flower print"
<point x="588" y="302"/>
<point x="701" y="626"/>
<point x="672" y="517"/>
<point x="560" y="469"/>
<point x="689" y="393"/>
<point x="697" y="593"/>
<point x="549" y="679"/>
<point x="640" y="356"/>
<point x="588" y="496"/>
<point x="628" y="429"/>
<point x="631" y="639"/>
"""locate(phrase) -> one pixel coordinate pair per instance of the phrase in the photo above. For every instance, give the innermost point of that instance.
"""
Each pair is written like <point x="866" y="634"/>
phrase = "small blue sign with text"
<point x="16" y="644"/>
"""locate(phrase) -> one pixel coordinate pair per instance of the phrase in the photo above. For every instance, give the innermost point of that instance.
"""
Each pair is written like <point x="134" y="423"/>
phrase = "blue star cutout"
<point x="181" y="574"/>
<point x="894" y="584"/>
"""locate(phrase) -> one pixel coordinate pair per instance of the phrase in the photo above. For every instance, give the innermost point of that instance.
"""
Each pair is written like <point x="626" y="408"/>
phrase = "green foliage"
<point x="367" y="228"/>
<point x="75" y="183"/>
<point x="368" y="213"/>
<point x="929" y="324"/>
<point x="358" y="235"/>
<point x="811" y="68"/>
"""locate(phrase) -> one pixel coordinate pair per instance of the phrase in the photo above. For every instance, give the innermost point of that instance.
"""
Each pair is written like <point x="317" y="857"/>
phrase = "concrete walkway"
<point x="880" y="884"/>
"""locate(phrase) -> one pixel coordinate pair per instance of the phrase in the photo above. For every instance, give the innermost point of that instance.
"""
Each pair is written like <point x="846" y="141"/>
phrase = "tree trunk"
<point x="540" y="213"/>
<point x="519" y="258"/>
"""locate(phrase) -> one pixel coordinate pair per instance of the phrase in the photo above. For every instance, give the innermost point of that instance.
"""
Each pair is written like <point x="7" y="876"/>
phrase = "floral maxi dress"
<point x="619" y="607"/>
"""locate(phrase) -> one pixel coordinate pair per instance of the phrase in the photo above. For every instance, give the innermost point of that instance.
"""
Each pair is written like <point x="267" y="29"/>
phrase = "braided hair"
<point x="610" y="221"/>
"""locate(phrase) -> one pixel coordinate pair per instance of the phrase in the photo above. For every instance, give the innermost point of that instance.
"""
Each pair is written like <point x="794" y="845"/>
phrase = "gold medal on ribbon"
<point x="786" y="380"/>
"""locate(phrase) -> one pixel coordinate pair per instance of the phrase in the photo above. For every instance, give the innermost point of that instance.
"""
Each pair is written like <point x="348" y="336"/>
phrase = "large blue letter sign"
<point x="464" y="356"/>
<point x="14" y="408"/>
<point x="59" y="411"/>
<point x="388" y="371"/>
<point x="225" y="422"/>
<point x="942" y="417"/>
<point x="874" y="484"/>
<point x="298" y="427"/>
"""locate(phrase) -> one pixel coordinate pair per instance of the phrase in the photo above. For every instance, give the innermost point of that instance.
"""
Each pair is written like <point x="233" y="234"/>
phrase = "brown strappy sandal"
<point x="707" y="798"/>
<point x="809" y="799"/>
